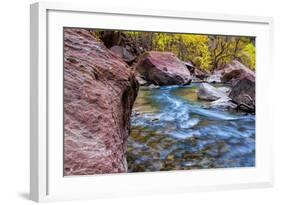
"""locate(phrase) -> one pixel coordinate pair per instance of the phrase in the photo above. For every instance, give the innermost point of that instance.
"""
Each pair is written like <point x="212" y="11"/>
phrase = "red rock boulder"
<point x="99" y="92"/>
<point x="235" y="70"/>
<point x="163" y="68"/>
<point x="244" y="92"/>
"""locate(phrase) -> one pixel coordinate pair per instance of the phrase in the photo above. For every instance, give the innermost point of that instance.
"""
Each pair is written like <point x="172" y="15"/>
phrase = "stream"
<point x="172" y="130"/>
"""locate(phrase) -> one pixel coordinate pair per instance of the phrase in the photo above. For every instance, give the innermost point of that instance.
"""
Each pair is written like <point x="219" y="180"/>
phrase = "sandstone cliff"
<point x="99" y="92"/>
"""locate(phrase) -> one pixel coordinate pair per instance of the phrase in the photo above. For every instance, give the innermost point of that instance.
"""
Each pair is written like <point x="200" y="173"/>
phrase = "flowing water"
<point x="172" y="130"/>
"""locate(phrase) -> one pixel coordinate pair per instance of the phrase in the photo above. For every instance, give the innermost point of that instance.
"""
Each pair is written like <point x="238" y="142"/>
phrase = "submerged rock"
<point x="99" y="92"/>
<point x="223" y="103"/>
<point x="163" y="68"/>
<point x="152" y="86"/>
<point x="225" y="90"/>
<point x="209" y="92"/>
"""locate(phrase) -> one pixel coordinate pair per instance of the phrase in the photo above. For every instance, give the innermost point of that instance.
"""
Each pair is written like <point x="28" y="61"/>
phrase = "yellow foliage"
<point x="186" y="46"/>
<point x="204" y="51"/>
<point x="248" y="56"/>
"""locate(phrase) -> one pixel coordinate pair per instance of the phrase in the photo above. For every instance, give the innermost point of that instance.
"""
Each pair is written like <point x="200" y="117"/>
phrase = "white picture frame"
<point x="46" y="173"/>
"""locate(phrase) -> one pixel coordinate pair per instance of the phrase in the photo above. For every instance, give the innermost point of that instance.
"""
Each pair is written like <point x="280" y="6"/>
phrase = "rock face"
<point x="209" y="93"/>
<point x="99" y="92"/>
<point x="235" y="70"/>
<point x="125" y="54"/>
<point x="163" y="68"/>
<point x="244" y="92"/>
<point x="121" y="44"/>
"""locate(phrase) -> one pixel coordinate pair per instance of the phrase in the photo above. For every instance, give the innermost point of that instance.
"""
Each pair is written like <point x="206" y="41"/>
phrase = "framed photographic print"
<point x="127" y="102"/>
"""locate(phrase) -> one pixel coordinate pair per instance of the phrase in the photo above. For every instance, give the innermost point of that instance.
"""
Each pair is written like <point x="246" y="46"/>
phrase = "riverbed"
<point x="172" y="130"/>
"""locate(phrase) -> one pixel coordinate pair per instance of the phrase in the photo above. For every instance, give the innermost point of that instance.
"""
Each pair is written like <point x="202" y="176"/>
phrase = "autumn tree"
<point x="186" y="46"/>
<point x="208" y="52"/>
<point x="227" y="48"/>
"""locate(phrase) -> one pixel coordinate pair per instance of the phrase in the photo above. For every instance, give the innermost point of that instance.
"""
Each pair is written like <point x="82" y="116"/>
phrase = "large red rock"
<point x="234" y="71"/>
<point x="163" y="68"/>
<point x="99" y="92"/>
